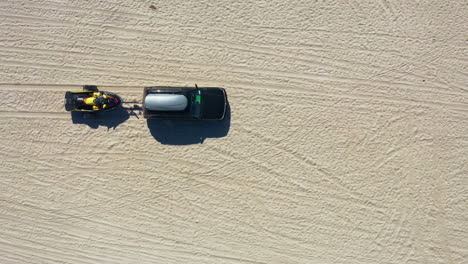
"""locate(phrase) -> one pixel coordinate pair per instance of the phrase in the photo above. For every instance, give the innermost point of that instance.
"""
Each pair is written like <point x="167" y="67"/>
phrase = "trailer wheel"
<point x="90" y="88"/>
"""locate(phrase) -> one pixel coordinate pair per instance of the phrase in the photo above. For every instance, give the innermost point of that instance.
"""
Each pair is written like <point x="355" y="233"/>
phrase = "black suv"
<point x="163" y="102"/>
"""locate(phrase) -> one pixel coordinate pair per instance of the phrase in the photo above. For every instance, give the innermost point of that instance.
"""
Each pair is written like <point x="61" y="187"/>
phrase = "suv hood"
<point x="213" y="103"/>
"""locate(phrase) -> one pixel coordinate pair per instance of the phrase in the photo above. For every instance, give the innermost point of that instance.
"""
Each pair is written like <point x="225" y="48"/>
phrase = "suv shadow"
<point x="186" y="132"/>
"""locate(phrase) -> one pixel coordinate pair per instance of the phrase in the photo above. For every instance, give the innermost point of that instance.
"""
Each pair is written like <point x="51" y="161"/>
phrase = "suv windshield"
<point x="195" y="103"/>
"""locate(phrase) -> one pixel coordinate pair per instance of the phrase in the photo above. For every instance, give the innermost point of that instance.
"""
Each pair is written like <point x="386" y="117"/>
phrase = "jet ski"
<point x="91" y="100"/>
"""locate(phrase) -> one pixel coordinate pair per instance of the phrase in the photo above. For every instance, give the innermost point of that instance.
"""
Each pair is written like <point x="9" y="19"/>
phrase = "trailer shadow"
<point x="187" y="132"/>
<point x="110" y="119"/>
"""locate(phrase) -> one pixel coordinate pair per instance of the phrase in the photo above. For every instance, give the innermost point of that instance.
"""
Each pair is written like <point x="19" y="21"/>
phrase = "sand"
<point x="346" y="140"/>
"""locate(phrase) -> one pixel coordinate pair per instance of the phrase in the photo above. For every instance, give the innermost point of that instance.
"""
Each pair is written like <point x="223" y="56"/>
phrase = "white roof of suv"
<point x="166" y="102"/>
